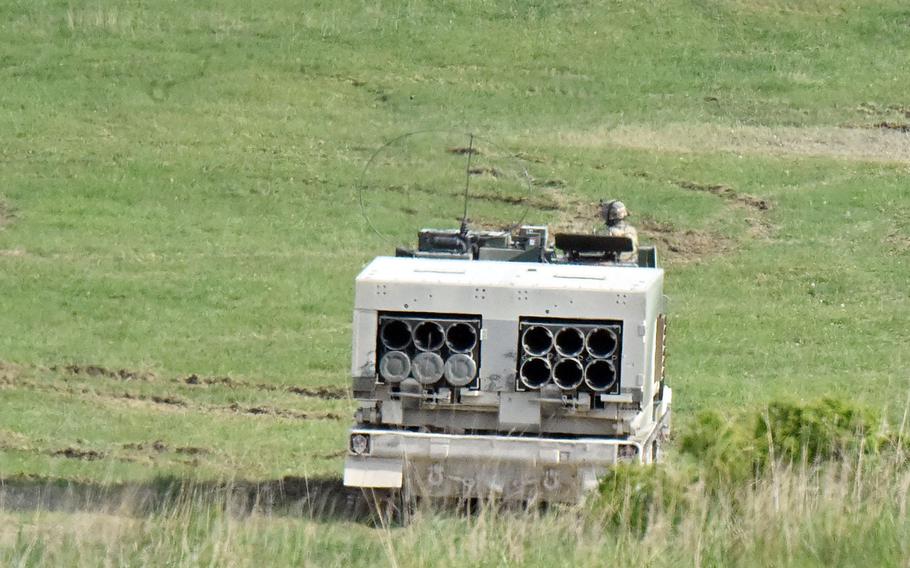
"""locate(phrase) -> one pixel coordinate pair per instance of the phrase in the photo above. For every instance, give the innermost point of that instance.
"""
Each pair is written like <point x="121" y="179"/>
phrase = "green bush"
<point x="630" y="494"/>
<point x="730" y="453"/>
<point x="724" y="448"/>
<point x="729" y="449"/>
<point x="820" y="430"/>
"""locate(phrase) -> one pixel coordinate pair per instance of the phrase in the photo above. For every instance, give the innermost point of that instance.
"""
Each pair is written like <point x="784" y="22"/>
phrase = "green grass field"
<point x="180" y="229"/>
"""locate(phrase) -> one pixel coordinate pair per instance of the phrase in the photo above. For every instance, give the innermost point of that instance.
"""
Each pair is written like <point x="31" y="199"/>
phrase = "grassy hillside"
<point x="179" y="227"/>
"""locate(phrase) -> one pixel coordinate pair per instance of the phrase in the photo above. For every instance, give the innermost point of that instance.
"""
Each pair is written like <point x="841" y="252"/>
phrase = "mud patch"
<point x="901" y="127"/>
<point x="78" y="454"/>
<point x="192" y="451"/>
<point x="169" y="400"/>
<point x="684" y="246"/>
<point x="163" y="400"/>
<point x="727" y="193"/>
<point x="98" y="371"/>
<point x="195" y="379"/>
<point x="172" y="402"/>
<point x="463" y="150"/>
<point x="549" y="183"/>
<point x="157" y="446"/>
<point x="485" y="170"/>
<point x="323" y="392"/>
<point x="12" y="253"/>
<point x="282" y="412"/>
<point x="160" y="447"/>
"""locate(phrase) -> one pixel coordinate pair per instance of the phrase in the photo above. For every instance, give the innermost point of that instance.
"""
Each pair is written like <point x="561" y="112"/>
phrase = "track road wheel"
<point x="390" y="507"/>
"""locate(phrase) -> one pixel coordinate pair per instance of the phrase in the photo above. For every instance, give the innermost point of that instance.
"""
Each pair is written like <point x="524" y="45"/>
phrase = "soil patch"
<point x="195" y="379"/>
<point x="901" y="127"/>
<point x="165" y="400"/>
<point x="157" y="446"/>
<point x="684" y="245"/>
<point x="78" y="454"/>
<point x="192" y="451"/>
<point x="550" y="183"/>
<point x="171" y="400"/>
<point x="463" y="150"/>
<point x="97" y="371"/>
<point x="485" y="170"/>
<point x="323" y="392"/>
<point x="9" y="371"/>
<point x="282" y="412"/>
<point x="728" y="193"/>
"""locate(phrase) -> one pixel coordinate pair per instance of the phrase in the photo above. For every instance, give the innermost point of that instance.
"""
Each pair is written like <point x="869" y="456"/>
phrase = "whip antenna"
<point x="467" y="184"/>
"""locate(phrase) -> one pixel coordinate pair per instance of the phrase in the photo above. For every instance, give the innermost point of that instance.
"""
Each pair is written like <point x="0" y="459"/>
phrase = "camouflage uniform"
<point x="614" y="214"/>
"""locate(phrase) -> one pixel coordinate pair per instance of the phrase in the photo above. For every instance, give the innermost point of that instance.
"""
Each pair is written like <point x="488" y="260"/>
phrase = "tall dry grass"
<point x="848" y="511"/>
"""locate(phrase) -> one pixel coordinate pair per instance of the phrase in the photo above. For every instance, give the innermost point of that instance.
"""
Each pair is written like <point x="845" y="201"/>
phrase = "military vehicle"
<point x="504" y="365"/>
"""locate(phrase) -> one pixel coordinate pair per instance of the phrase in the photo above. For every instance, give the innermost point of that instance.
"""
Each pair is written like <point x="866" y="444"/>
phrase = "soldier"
<point x="614" y="213"/>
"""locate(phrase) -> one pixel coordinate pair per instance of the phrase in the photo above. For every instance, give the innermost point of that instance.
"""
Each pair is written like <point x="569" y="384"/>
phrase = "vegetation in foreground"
<point x="178" y="222"/>
<point x="844" y="505"/>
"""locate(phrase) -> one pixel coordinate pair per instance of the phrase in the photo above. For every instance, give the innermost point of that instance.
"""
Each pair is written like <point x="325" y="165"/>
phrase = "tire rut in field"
<point x="756" y="207"/>
<point x="319" y="498"/>
<point x="171" y="402"/>
<point x="73" y="452"/>
<point x="78" y="454"/>
<point x="323" y="392"/>
<point x="98" y="371"/>
<point x="159" y="447"/>
<point x="727" y="193"/>
<point x="326" y="392"/>
<point x="902" y="127"/>
<point x="281" y="412"/>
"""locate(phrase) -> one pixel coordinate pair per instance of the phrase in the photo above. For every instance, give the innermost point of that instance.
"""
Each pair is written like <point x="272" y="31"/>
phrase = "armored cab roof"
<point x="577" y="277"/>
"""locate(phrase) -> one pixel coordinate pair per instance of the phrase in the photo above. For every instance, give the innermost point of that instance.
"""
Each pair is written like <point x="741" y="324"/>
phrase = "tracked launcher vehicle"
<point x="490" y="364"/>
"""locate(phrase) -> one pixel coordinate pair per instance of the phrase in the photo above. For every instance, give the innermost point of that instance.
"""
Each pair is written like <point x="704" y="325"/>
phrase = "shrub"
<point x="821" y="430"/>
<point x="631" y="494"/>
<point x="723" y="447"/>
<point x="731" y="453"/>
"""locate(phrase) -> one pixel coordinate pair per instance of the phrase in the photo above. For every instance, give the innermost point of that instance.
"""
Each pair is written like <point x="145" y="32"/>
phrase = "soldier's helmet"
<point x="613" y="211"/>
